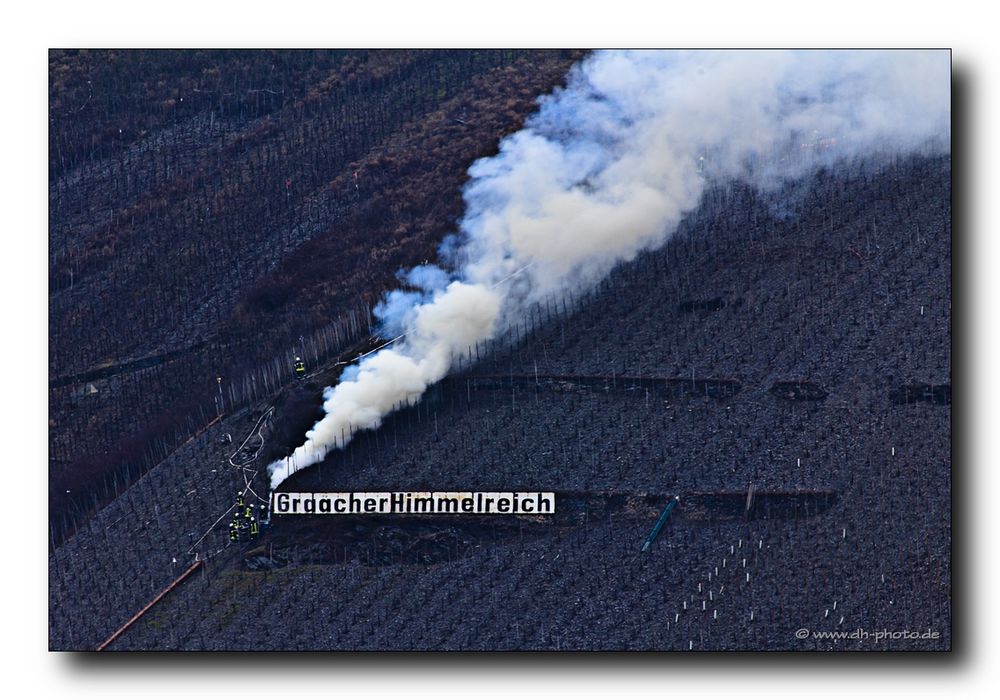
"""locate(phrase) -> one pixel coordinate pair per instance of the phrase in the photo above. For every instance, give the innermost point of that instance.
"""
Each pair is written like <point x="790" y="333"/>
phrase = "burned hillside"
<point x="214" y="213"/>
<point x="780" y="364"/>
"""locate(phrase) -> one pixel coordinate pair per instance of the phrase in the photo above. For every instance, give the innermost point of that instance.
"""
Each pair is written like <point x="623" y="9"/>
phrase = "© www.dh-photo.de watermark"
<point x="861" y="634"/>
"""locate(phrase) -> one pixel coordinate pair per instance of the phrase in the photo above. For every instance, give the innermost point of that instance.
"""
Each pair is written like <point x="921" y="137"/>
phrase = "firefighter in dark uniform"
<point x="254" y="528"/>
<point x="234" y="531"/>
<point x="300" y="368"/>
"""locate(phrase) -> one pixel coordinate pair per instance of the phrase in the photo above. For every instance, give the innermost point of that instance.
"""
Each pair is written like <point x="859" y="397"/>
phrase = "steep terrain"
<point x="767" y="355"/>
<point x="214" y="213"/>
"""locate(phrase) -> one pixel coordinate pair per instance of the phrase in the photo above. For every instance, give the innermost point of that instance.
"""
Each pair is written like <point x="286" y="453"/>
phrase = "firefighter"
<point x="300" y="368"/>
<point x="248" y="512"/>
<point x="239" y="499"/>
<point x="234" y="531"/>
<point x="254" y="528"/>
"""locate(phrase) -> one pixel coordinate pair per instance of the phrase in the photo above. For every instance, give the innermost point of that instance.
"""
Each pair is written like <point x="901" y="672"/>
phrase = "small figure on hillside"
<point x="300" y="368"/>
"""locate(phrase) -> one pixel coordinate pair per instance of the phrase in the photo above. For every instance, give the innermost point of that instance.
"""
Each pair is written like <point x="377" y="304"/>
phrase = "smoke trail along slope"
<point x="607" y="168"/>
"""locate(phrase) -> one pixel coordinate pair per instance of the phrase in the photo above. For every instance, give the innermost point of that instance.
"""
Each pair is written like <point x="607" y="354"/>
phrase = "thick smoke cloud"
<point x="607" y="168"/>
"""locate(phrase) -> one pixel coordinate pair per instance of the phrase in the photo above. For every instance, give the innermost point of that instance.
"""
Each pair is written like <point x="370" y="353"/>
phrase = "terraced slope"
<point x="214" y="212"/>
<point x="764" y="347"/>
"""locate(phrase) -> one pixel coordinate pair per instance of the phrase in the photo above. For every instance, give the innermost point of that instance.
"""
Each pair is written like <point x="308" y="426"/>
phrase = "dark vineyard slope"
<point x="214" y="213"/>
<point x="753" y="366"/>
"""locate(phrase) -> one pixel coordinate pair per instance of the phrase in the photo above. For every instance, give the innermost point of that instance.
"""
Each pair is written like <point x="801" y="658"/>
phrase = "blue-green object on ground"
<point x="655" y="532"/>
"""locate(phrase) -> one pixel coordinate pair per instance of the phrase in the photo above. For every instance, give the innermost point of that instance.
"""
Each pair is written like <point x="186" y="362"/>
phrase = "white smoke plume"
<point x="607" y="168"/>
